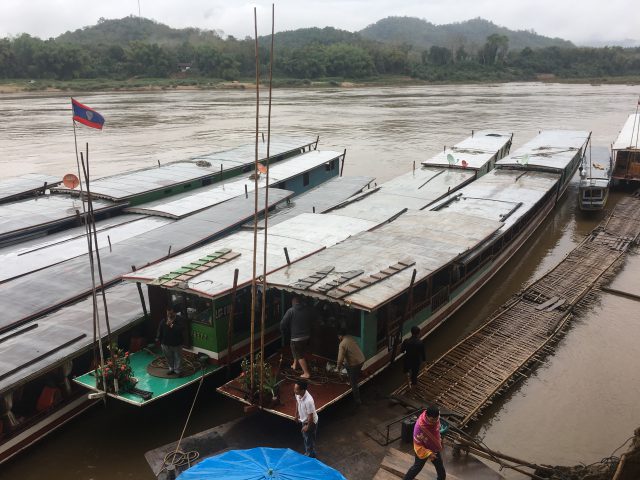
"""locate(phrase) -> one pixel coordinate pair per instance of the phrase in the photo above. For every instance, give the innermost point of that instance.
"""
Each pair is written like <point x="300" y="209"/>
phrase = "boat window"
<point x="206" y="181"/>
<point x="199" y="310"/>
<point x="305" y="179"/>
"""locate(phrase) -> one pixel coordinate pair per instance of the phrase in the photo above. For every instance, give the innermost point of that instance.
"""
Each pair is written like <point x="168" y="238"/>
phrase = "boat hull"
<point x="44" y="426"/>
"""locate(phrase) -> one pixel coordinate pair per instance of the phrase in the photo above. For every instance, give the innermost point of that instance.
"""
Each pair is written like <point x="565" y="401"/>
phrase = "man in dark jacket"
<point x="414" y="355"/>
<point x="296" y="324"/>
<point x="170" y="338"/>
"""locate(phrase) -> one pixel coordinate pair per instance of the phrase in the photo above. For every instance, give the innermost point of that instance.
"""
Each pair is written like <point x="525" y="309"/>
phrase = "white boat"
<point x="595" y="179"/>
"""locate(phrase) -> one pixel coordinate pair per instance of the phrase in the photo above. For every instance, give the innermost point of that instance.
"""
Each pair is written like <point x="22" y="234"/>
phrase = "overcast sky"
<point x="578" y="21"/>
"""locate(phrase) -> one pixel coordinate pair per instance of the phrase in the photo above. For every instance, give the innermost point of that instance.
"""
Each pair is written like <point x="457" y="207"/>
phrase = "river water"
<point x="578" y="407"/>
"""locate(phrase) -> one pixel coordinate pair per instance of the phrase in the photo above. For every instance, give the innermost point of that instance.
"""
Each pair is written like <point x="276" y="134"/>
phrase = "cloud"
<point x="589" y="19"/>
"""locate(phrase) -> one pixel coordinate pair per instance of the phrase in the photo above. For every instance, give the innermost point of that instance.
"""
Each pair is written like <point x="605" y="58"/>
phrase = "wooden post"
<point x="144" y="305"/>
<point x="286" y="254"/>
<point x="231" y="316"/>
<point x="344" y="154"/>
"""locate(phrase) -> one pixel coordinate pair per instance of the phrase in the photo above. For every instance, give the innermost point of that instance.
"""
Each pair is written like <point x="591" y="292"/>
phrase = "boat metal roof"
<point x="187" y="203"/>
<point x="322" y="198"/>
<point x="551" y="150"/>
<point x="124" y="186"/>
<point x="303" y="235"/>
<point x="25" y="184"/>
<point x="422" y="240"/>
<point x="44" y="211"/>
<point x="41" y="291"/>
<point x="23" y="258"/>
<point x="34" y="348"/>
<point x="596" y="166"/>
<point x="501" y="195"/>
<point x="413" y="190"/>
<point x="629" y="136"/>
<point x="476" y="151"/>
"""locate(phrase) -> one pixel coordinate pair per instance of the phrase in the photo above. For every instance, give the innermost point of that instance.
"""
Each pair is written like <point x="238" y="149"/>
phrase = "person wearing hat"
<point x="427" y="444"/>
<point x="307" y="415"/>
<point x="350" y="355"/>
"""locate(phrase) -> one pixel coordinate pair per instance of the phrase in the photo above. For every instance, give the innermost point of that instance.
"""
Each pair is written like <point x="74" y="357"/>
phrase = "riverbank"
<point x="202" y="83"/>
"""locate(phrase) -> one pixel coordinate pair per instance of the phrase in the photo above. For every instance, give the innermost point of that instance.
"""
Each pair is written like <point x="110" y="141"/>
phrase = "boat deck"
<point x="468" y="376"/>
<point x="158" y="384"/>
<point x="325" y="387"/>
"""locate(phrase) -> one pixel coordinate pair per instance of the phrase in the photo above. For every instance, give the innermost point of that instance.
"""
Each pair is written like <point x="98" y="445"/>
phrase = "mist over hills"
<point x="421" y="33"/>
<point x="392" y="30"/>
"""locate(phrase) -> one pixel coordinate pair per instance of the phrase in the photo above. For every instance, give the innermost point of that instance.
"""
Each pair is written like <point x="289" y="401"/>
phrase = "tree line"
<point x="27" y="57"/>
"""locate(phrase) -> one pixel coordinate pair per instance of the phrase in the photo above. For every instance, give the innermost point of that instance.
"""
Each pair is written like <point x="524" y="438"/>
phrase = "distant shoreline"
<point x="11" y="86"/>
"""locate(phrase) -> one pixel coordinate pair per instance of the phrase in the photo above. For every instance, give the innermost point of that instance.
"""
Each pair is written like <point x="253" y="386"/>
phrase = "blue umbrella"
<point x="260" y="464"/>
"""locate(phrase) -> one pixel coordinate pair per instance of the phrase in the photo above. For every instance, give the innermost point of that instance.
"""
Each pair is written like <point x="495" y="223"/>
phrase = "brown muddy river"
<point x="577" y="407"/>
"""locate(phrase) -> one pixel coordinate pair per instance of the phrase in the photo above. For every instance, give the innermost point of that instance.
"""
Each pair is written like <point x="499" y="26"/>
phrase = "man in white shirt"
<point x="307" y="415"/>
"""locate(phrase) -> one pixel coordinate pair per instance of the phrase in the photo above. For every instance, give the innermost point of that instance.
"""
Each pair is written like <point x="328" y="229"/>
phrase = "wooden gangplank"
<point x="523" y="330"/>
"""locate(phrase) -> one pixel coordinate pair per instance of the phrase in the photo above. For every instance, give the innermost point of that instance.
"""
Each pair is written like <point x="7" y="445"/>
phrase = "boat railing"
<point x="439" y="298"/>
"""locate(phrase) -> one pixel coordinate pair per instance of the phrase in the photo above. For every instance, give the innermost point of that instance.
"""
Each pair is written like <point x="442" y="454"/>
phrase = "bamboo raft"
<point x="524" y="330"/>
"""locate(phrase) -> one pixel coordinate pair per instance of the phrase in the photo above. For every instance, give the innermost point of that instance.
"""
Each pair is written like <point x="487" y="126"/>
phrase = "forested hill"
<point x="476" y="50"/>
<point x="124" y="30"/>
<point x="420" y="33"/>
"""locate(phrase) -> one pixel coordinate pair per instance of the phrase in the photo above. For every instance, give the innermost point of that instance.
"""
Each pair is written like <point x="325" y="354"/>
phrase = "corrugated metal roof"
<point x="629" y="136"/>
<point x="302" y="235"/>
<point x="476" y="151"/>
<point x="71" y="279"/>
<point x="550" y="149"/>
<point x="42" y="211"/>
<point x="413" y="190"/>
<point x="322" y="198"/>
<point x="20" y="259"/>
<point x="498" y="193"/>
<point x="185" y="204"/>
<point x="58" y="328"/>
<point x="25" y="184"/>
<point x="125" y="185"/>
<point x="430" y="239"/>
<point x="597" y="164"/>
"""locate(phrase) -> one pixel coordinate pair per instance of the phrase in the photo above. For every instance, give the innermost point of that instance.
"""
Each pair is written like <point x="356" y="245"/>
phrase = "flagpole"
<point x="97" y="336"/>
<point x="92" y="220"/>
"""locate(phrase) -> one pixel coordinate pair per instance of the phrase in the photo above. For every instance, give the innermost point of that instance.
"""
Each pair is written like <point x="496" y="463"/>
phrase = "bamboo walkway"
<point x="523" y="330"/>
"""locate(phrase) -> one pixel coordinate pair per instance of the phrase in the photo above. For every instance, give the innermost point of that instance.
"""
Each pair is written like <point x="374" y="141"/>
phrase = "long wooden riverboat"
<point x="626" y="153"/>
<point x="202" y="287"/>
<point x="40" y="214"/>
<point x="40" y="353"/>
<point x="418" y="269"/>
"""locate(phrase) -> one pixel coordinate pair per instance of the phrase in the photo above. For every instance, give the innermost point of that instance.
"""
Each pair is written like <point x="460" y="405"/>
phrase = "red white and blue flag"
<point x="85" y="115"/>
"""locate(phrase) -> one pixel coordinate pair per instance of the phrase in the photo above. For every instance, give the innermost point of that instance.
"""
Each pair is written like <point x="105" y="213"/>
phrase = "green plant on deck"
<point x="270" y="385"/>
<point x="116" y="370"/>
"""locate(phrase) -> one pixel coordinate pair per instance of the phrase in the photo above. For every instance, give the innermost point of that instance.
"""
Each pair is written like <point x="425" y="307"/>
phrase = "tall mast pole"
<point x="256" y="172"/>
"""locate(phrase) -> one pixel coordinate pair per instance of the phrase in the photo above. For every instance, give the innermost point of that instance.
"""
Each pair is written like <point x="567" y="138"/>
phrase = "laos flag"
<point x="86" y="115"/>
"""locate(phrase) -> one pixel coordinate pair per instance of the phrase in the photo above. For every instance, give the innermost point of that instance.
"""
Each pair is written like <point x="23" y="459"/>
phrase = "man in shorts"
<point x="296" y="324"/>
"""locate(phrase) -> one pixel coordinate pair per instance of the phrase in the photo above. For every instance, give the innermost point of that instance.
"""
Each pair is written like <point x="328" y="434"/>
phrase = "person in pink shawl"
<point x="427" y="444"/>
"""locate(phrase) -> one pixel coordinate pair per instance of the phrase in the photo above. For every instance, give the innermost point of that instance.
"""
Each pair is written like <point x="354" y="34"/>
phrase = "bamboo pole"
<point x="263" y="312"/>
<point x="255" y="212"/>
